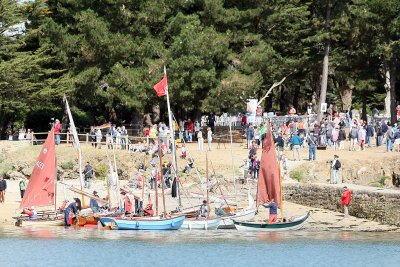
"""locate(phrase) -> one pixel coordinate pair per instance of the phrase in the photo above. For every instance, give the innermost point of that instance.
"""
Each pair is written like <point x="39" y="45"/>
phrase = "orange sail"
<point x="269" y="178"/>
<point x="41" y="186"/>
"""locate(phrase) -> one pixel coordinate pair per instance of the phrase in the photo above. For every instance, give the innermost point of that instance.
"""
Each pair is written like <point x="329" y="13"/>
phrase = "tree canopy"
<point x="106" y="55"/>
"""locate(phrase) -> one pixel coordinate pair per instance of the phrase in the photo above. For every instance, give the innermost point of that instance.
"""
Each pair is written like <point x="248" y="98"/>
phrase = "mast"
<point x="172" y="131"/>
<point x="233" y="166"/>
<point x="115" y="168"/>
<point x="76" y="144"/>
<point x="55" y="182"/>
<point x="208" y="204"/>
<point x="161" y="176"/>
<point x="144" y="177"/>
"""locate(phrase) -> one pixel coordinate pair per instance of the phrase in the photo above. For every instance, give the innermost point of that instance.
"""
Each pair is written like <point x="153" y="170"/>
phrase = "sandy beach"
<point x="320" y="220"/>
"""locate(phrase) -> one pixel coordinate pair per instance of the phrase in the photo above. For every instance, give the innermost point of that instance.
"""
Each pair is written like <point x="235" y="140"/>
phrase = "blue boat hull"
<point x="142" y="223"/>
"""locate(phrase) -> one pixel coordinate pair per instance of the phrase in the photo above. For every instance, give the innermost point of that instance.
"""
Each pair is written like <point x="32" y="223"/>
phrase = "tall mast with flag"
<point x="162" y="89"/>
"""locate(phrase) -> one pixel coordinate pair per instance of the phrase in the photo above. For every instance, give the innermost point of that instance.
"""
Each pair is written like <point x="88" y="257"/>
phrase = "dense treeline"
<point x="106" y="55"/>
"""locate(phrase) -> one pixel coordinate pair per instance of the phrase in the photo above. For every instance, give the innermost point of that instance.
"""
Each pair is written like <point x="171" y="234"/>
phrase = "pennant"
<point x="162" y="86"/>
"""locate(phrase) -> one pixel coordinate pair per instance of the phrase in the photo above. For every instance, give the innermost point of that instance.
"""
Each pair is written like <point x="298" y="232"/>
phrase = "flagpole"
<point x="233" y="166"/>
<point x="172" y="131"/>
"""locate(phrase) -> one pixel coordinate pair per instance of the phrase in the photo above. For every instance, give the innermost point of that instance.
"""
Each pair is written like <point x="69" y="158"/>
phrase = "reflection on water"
<point x="196" y="248"/>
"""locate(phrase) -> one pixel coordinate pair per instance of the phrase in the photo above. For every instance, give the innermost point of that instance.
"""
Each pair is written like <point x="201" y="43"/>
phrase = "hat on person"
<point x="336" y="156"/>
<point x="94" y="192"/>
<point x="345" y="187"/>
<point x="33" y="207"/>
<point x="204" y="201"/>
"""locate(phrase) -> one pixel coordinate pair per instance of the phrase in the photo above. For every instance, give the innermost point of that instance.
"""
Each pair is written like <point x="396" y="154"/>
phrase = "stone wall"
<point x="383" y="207"/>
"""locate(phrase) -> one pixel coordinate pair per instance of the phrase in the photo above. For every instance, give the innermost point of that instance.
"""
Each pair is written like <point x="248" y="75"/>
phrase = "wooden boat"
<point x="201" y="224"/>
<point x="40" y="222"/>
<point x="269" y="187"/>
<point x="141" y="223"/>
<point x="240" y="216"/>
<point x="296" y="224"/>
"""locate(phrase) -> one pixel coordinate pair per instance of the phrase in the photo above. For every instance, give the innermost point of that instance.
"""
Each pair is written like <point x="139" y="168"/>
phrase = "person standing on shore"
<point x="209" y="138"/>
<point x="74" y="207"/>
<point x="88" y="172"/>
<point x="336" y="165"/>
<point x="312" y="146"/>
<point x="3" y="187"/>
<point x="22" y="187"/>
<point x="346" y="198"/>
<point x="273" y="210"/>
<point x="200" y="140"/>
<point x="57" y="131"/>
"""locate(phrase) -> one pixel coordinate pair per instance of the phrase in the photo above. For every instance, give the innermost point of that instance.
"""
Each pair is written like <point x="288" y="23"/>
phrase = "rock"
<point x="27" y="171"/>
<point x="14" y="175"/>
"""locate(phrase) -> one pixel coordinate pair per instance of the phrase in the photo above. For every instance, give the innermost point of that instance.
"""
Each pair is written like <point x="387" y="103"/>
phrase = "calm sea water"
<point x="91" y="247"/>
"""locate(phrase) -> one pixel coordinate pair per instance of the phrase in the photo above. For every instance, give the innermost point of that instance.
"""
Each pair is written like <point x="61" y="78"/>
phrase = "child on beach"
<point x="183" y="153"/>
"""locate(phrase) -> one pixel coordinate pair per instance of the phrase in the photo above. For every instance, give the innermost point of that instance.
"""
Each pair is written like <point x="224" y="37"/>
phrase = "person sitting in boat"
<point x="73" y="207"/>
<point x="273" y="211"/>
<point x="148" y="210"/>
<point x="32" y="213"/>
<point x="94" y="205"/>
<point x="203" y="211"/>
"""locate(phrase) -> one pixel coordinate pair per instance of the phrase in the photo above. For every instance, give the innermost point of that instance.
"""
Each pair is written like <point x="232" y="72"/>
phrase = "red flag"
<point x="162" y="86"/>
<point x="269" y="178"/>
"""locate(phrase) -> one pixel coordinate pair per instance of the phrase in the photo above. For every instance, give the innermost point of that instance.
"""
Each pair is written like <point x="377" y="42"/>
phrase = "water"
<point x="92" y="247"/>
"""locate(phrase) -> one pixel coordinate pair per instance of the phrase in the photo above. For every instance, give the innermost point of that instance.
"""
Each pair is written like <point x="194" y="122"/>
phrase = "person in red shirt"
<point x="346" y="198"/>
<point x="190" y="130"/>
<point x="57" y="131"/>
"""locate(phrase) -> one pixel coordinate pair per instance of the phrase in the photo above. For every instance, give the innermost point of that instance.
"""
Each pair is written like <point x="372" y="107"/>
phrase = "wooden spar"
<point x="172" y="131"/>
<point x="270" y="89"/>
<point x="156" y="192"/>
<point x="144" y="176"/>
<point x="280" y="185"/>
<point x="119" y="200"/>
<point x="55" y="183"/>
<point x="161" y="177"/>
<point x="78" y="191"/>
<point x="208" y="204"/>
<point x="233" y="166"/>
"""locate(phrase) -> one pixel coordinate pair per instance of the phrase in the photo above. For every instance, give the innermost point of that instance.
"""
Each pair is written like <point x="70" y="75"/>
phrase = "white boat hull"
<point x="43" y="223"/>
<point x="296" y="224"/>
<point x="241" y="216"/>
<point x="201" y="224"/>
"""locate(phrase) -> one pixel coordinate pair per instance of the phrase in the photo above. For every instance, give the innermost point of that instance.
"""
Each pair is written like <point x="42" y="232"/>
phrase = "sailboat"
<point x="145" y="223"/>
<point x="203" y="223"/>
<point x="41" y="190"/>
<point x="269" y="187"/>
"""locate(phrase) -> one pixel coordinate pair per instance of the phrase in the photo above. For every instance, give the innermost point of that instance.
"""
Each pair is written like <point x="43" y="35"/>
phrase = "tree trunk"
<point x="325" y="66"/>
<point x="390" y="86"/>
<point x="156" y="113"/>
<point x="346" y="96"/>
<point x="387" y="88"/>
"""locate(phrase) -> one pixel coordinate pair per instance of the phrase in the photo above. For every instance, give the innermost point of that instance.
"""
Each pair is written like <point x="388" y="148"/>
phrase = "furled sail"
<point x="269" y="178"/>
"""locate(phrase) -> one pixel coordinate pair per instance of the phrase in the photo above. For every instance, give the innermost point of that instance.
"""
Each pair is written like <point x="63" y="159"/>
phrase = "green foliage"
<point x="68" y="165"/>
<point x="107" y="55"/>
<point x="383" y="179"/>
<point x="101" y="171"/>
<point x="297" y="175"/>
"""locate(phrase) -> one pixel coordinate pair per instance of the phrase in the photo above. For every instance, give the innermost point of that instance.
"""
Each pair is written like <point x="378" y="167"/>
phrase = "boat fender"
<point x="137" y="224"/>
<point x="206" y="225"/>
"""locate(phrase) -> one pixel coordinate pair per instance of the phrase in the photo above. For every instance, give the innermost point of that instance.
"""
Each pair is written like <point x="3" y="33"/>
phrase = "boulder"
<point x="27" y="171"/>
<point x="13" y="175"/>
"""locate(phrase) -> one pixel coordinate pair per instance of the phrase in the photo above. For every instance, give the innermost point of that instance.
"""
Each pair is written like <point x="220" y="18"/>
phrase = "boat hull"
<point x="201" y="224"/>
<point x="141" y="224"/>
<point x="273" y="227"/>
<point x="41" y="223"/>
<point x="241" y="216"/>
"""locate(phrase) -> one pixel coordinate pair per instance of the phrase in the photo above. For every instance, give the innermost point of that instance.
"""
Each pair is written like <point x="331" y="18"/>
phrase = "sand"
<point x="320" y="220"/>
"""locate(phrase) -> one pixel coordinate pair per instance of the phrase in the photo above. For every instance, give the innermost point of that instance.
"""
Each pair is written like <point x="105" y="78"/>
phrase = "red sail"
<point x="269" y="178"/>
<point x="41" y="186"/>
